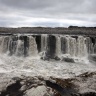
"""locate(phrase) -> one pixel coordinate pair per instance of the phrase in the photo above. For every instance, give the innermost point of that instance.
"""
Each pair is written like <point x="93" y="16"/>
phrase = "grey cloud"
<point x="19" y="12"/>
<point x="53" y="6"/>
<point x="26" y="4"/>
<point x="49" y="24"/>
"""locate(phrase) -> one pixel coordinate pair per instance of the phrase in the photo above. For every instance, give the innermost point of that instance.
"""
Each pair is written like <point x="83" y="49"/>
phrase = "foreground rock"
<point x="82" y="85"/>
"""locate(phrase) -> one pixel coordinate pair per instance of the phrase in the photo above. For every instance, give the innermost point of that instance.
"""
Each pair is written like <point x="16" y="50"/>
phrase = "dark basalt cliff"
<point x="82" y="85"/>
<point x="71" y="30"/>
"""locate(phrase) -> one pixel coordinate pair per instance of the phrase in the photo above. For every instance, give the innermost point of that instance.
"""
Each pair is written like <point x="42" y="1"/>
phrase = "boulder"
<point x="38" y="91"/>
<point x="57" y="58"/>
<point x="67" y="59"/>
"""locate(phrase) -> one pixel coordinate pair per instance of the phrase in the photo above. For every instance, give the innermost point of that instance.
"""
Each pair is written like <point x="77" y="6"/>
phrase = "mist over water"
<point x="20" y="55"/>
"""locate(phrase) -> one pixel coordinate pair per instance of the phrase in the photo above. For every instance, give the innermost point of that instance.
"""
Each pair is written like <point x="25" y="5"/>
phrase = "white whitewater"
<point x="12" y="65"/>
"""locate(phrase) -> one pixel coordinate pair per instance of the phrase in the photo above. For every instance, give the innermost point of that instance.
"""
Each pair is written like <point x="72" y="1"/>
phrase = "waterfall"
<point x="81" y="46"/>
<point x="95" y="49"/>
<point x="4" y="44"/>
<point x="1" y="44"/>
<point x="68" y="45"/>
<point x="44" y="42"/>
<point x="20" y="48"/>
<point x="32" y="46"/>
<point x="63" y="44"/>
<point x="90" y="45"/>
<point x="74" y="47"/>
<point x="58" y="45"/>
<point x="52" y="45"/>
<point x="12" y="45"/>
<point x="71" y="45"/>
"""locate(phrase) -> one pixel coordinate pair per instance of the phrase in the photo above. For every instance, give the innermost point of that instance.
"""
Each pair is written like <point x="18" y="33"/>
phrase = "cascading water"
<point x="89" y="45"/>
<point x="21" y="54"/>
<point x="12" y="45"/>
<point x="71" y="46"/>
<point x="63" y="44"/>
<point x="58" y="45"/>
<point x="4" y="44"/>
<point x="81" y="46"/>
<point x="75" y="47"/>
<point x="20" y="48"/>
<point x="53" y="45"/>
<point x="95" y="49"/>
<point x="44" y="42"/>
<point x="32" y="47"/>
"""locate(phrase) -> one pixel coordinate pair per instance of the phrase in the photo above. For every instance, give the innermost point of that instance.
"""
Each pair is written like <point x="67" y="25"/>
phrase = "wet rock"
<point x="38" y="91"/>
<point x="27" y="86"/>
<point x="57" y="58"/>
<point x="45" y="58"/>
<point x="67" y="59"/>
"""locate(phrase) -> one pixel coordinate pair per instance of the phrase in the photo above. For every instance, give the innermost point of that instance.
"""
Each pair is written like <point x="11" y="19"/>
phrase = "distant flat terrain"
<point x="72" y="30"/>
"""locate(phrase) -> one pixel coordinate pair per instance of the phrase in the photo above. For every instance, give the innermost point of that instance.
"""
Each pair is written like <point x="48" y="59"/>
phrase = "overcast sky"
<point x="50" y="13"/>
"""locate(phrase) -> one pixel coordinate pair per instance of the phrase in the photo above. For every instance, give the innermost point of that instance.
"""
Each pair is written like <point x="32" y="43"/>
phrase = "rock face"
<point x="82" y="85"/>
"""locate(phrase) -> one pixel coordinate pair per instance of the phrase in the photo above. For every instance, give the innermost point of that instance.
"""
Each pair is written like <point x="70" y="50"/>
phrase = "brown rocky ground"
<point x="82" y="85"/>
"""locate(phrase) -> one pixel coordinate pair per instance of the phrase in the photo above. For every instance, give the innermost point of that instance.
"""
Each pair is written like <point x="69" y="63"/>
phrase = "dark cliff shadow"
<point x="12" y="90"/>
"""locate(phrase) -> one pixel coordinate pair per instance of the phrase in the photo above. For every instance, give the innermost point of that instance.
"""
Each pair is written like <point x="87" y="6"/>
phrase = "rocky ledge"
<point x="82" y="85"/>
